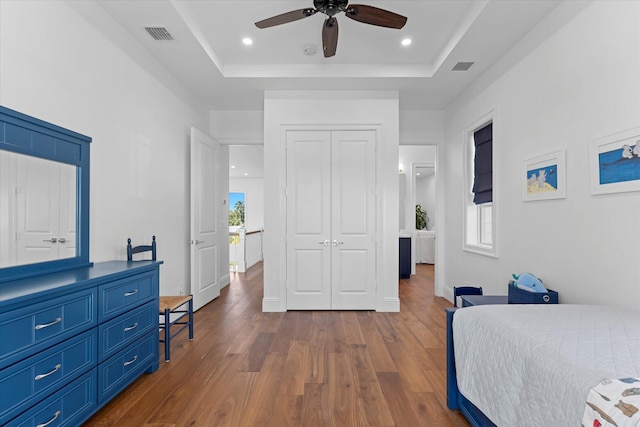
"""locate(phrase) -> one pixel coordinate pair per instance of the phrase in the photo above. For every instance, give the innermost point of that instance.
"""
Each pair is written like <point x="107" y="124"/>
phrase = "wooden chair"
<point x="465" y="290"/>
<point x="169" y="305"/>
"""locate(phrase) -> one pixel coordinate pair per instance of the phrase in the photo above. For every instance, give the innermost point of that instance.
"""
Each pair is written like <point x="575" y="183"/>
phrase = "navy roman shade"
<point x="483" y="165"/>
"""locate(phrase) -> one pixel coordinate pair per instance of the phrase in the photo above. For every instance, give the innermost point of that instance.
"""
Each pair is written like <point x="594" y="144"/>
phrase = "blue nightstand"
<point x="471" y="300"/>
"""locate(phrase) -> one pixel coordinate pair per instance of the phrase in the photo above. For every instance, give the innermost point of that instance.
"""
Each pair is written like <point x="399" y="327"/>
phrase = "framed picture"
<point x="543" y="177"/>
<point x="614" y="163"/>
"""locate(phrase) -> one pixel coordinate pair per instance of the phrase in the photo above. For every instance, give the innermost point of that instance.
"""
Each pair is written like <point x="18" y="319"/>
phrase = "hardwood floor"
<point x="299" y="368"/>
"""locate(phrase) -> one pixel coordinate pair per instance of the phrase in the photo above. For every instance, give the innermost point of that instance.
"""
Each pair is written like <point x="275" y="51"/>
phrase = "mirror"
<point x="44" y="197"/>
<point x="38" y="210"/>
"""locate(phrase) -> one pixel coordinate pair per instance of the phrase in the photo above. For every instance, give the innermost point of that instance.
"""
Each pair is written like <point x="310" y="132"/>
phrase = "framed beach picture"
<point x="615" y="163"/>
<point x="543" y="177"/>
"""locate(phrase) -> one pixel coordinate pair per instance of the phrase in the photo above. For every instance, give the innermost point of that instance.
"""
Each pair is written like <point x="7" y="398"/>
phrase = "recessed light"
<point x="406" y="42"/>
<point x="247" y="41"/>
<point x="233" y="167"/>
<point x="246" y="174"/>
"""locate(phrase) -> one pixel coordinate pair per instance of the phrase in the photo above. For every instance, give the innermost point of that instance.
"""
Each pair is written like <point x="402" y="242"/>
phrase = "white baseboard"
<point x="272" y="305"/>
<point x="390" y="304"/>
<point x="225" y="280"/>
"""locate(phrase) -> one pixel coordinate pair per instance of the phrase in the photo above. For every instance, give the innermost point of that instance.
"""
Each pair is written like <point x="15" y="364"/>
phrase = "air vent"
<point x="462" y="66"/>
<point x="159" y="33"/>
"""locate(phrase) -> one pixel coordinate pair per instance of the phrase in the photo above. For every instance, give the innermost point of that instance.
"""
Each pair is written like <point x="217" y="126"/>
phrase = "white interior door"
<point x="204" y="219"/>
<point x="37" y="209"/>
<point x="330" y="220"/>
<point x="353" y="220"/>
<point x="308" y="220"/>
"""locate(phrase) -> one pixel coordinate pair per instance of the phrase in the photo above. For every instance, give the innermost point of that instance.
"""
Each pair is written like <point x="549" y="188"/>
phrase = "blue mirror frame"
<point x="24" y="134"/>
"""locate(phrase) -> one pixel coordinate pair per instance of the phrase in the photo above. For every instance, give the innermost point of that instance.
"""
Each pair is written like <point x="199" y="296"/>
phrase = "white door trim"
<point x="381" y="302"/>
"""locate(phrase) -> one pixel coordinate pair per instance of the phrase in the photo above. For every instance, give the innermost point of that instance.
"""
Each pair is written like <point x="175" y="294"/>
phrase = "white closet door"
<point x="330" y="220"/>
<point x="37" y="209"/>
<point x="308" y="220"/>
<point x="353" y="220"/>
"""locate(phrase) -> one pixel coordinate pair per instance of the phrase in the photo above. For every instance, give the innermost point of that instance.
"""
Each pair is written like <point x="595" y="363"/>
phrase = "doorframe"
<point x="381" y="303"/>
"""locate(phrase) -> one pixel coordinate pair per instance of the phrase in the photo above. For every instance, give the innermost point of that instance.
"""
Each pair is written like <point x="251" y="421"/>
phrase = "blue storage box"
<point x="522" y="296"/>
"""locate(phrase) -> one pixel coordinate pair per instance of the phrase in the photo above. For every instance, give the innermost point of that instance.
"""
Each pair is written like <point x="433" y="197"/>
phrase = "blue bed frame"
<point x="455" y="399"/>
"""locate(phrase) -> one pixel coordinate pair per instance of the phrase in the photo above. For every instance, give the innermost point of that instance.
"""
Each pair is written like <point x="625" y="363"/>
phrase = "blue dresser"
<point x="70" y="341"/>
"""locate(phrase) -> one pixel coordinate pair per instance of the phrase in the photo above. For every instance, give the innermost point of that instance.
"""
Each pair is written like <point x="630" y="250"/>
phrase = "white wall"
<point x="253" y="188"/>
<point x="421" y="127"/>
<point x="247" y="127"/>
<point x="579" y="84"/>
<point x="331" y="108"/>
<point x="238" y="127"/>
<point x="57" y="67"/>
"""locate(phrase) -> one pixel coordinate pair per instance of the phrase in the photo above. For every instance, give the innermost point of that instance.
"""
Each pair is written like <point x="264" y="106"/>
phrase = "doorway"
<point x="424" y="178"/>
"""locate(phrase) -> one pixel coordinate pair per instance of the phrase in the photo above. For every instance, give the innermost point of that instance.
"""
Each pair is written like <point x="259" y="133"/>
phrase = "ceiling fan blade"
<point x="285" y="18"/>
<point x="330" y="37"/>
<point x="375" y="16"/>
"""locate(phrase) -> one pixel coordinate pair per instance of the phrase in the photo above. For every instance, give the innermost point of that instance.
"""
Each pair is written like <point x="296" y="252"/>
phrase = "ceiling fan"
<point x="358" y="12"/>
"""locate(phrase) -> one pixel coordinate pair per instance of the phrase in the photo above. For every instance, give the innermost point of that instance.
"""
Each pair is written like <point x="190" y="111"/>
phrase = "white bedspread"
<point x="533" y="365"/>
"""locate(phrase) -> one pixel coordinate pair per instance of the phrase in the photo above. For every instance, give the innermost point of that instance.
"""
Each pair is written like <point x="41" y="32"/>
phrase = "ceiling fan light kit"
<point x="357" y="12"/>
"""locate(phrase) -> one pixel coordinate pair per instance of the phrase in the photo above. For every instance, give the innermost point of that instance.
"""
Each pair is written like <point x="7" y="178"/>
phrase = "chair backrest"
<point x="142" y="248"/>
<point x="465" y="290"/>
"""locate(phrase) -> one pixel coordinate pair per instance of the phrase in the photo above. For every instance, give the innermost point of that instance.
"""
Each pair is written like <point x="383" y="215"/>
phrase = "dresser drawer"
<point x="116" y="373"/>
<point x="122" y="295"/>
<point x="28" y="381"/>
<point x="123" y="330"/>
<point x="31" y="329"/>
<point x="69" y="407"/>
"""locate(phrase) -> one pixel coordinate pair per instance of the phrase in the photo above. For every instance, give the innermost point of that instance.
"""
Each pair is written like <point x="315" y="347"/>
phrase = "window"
<point x="479" y="194"/>
<point x="236" y="209"/>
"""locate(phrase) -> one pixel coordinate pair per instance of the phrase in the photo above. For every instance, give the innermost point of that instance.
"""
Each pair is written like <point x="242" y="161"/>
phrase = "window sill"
<point x="481" y="250"/>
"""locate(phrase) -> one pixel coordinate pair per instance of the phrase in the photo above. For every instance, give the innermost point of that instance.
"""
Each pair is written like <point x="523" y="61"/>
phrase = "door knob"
<point x="51" y="240"/>
<point x="197" y="242"/>
<point x="336" y="243"/>
<point x="324" y="242"/>
<point x="62" y="240"/>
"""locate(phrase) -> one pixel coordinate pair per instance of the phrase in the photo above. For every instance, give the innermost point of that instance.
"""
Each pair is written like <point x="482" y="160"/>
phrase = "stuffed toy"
<point x="528" y="282"/>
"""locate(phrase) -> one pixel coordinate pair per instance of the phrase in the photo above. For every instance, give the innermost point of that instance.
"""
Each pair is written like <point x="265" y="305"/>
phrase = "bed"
<point x="535" y="365"/>
<point x="426" y="246"/>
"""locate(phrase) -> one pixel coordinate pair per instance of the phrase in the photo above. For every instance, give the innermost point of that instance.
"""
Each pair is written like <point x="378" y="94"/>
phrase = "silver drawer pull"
<point x="46" y="325"/>
<point x="55" y="417"/>
<point x="131" y="361"/>
<point x="41" y="376"/>
<point x="135" y="325"/>
<point x="128" y="294"/>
